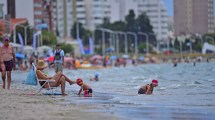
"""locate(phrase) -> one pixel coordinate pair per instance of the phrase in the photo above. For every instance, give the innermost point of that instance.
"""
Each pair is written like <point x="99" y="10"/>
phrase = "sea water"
<point x="184" y="92"/>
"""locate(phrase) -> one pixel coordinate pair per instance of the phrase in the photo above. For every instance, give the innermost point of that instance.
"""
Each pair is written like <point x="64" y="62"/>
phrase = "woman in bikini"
<point x="148" y="89"/>
<point x="59" y="77"/>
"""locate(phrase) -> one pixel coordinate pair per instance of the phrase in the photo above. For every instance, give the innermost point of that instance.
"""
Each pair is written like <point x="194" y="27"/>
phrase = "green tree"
<point x="144" y="25"/>
<point x="48" y="37"/>
<point x="177" y="44"/>
<point x="68" y="48"/>
<point x="82" y="31"/>
<point x="118" y="26"/>
<point x="130" y="21"/>
<point x="142" y="48"/>
<point x="21" y="30"/>
<point x="106" y="23"/>
<point x="210" y="38"/>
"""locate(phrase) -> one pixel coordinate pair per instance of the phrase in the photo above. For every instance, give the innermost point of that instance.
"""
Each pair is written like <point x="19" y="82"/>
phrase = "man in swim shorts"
<point x="8" y="61"/>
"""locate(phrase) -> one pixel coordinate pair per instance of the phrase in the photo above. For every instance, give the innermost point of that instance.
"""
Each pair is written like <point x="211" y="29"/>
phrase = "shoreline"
<point x="19" y="104"/>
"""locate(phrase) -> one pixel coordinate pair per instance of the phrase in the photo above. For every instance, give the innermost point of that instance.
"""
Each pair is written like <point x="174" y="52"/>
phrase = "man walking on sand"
<point x="58" y="59"/>
<point x="8" y="61"/>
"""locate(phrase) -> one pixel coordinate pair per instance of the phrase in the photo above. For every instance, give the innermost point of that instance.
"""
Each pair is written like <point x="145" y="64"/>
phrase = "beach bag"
<point x="57" y="55"/>
<point x="31" y="78"/>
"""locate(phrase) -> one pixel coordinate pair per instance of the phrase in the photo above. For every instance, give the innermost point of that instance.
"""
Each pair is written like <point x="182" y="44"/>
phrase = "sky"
<point x="169" y="5"/>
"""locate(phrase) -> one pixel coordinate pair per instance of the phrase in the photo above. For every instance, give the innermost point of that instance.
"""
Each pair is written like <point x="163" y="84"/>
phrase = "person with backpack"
<point x="58" y="59"/>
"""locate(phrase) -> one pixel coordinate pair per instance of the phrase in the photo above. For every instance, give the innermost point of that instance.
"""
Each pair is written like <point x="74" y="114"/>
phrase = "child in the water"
<point x="148" y="89"/>
<point x="96" y="78"/>
<point x="88" y="92"/>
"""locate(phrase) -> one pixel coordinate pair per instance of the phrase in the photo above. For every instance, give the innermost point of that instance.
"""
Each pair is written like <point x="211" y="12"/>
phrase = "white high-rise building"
<point x="92" y="13"/>
<point x="63" y="17"/>
<point x="155" y="10"/>
<point x="96" y="11"/>
<point x="157" y="14"/>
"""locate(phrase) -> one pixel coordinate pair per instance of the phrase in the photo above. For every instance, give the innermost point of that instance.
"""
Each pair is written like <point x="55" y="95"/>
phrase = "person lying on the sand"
<point x="88" y="92"/>
<point x="148" y="89"/>
<point x="59" y="77"/>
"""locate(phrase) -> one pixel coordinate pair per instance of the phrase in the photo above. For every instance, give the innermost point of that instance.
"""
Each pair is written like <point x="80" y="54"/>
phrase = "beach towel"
<point x="31" y="78"/>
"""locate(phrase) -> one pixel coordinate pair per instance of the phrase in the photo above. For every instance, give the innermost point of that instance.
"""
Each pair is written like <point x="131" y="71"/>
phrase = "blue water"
<point x="184" y="92"/>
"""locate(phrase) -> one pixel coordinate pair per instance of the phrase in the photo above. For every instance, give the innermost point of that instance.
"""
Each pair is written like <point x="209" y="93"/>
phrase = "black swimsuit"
<point x="142" y="91"/>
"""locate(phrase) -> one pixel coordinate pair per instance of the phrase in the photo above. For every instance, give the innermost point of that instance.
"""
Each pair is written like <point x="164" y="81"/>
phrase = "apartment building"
<point x="193" y="16"/>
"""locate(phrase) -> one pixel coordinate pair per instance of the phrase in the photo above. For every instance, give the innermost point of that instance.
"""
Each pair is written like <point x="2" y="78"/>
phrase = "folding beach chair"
<point x="41" y="87"/>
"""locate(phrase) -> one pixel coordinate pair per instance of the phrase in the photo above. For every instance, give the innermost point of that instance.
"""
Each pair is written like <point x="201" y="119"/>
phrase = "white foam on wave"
<point x="136" y="87"/>
<point x="172" y="86"/>
<point x="138" y="78"/>
<point x="211" y="80"/>
<point x="126" y="100"/>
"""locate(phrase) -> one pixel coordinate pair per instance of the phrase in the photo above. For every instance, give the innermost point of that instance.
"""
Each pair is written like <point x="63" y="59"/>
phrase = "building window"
<point x="37" y="13"/>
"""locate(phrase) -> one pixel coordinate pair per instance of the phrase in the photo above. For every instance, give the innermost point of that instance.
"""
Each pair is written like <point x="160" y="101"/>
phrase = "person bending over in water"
<point x="148" y="89"/>
<point x="88" y="92"/>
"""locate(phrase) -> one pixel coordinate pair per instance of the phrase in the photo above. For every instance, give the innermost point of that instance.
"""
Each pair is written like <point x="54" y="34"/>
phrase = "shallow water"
<point x="184" y="92"/>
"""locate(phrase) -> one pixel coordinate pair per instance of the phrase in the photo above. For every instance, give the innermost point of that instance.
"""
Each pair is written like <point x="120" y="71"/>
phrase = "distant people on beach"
<point x="148" y="89"/>
<point x="88" y="92"/>
<point x="8" y="61"/>
<point x="59" y="77"/>
<point x="96" y="78"/>
<point x="58" y="59"/>
<point x="175" y="62"/>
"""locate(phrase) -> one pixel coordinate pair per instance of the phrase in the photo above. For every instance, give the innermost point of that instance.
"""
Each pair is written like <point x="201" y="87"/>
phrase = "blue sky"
<point x="169" y="5"/>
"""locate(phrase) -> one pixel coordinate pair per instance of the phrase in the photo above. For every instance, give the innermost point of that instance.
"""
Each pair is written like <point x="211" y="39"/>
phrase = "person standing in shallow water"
<point x="8" y="61"/>
<point x="148" y="89"/>
<point x="58" y="59"/>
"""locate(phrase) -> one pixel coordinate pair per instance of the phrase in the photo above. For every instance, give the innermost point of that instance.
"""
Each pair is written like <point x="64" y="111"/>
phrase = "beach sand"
<point x="19" y="104"/>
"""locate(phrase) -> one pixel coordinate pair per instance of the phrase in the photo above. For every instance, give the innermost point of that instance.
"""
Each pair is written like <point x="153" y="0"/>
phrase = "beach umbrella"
<point x="50" y="59"/>
<point x="96" y="57"/>
<point x="20" y="56"/>
<point x="113" y="57"/>
<point x="110" y="49"/>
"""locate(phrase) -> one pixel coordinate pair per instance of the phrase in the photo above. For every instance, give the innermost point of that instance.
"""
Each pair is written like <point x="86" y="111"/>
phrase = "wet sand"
<point x="19" y="104"/>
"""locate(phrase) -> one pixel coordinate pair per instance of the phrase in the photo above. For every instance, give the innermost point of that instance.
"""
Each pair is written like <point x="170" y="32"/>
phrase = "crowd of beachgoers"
<point x="99" y="61"/>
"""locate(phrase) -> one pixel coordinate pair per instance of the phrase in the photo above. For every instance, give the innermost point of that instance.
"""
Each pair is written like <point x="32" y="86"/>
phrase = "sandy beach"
<point x="18" y="104"/>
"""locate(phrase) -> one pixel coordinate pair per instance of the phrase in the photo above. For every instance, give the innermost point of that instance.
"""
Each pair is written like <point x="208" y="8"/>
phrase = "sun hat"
<point x="41" y="64"/>
<point x="79" y="81"/>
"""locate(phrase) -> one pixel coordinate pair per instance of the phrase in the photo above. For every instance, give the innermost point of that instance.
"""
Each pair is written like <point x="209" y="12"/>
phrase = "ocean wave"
<point x="138" y="78"/>
<point x="211" y="80"/>
<point x="196" y="82"/>
<point x="136" y="100"/>
<point x="172" y="86"/>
